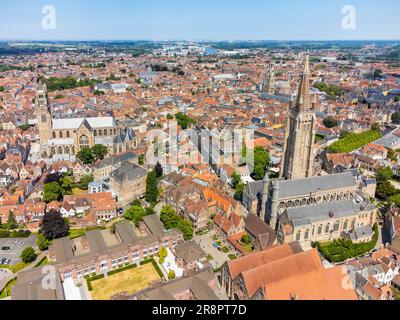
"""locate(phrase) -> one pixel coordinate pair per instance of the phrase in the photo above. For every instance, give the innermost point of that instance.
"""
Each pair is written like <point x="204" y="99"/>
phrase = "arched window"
<point x="320" y="229"/>
<point x="95" y="133"/>
<point x="111" y="132"/>
<point x="307" y="234"/>
<point x="68" y="134"/>
<point x="327" y="228"/>
<point x="60" y="150"/>
<point x="115" y="131"/>
<point x="336" y="227"/>
<point x="53" y="151"/>
<point x="67" y="150"/>
<point x="105" y="132"/>
<point x="61" y="135"/>
<point x="115" y="149"/>
<point x="127" y="147"/>
<point x="54" y="135"/>
<point x="100" y="133"/>
<point x="84" y="142"/>
<point x="298" y="236"/>
<point x="345" y="225"/>
<point x="73" y="150"/>
<point x="120" y="149"/>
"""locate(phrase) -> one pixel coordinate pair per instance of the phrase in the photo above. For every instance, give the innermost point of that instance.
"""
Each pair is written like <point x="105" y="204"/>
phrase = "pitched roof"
<point x="317" y="285"/>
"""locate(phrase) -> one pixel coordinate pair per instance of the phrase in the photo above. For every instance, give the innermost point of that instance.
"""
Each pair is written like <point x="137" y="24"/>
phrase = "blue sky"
<point x="200" y="19"/>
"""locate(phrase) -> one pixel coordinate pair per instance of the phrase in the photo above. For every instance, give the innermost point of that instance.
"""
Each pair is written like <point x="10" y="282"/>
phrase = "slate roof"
<point x="301" y="187"/>
<point x="128" y="172"/>
<point x="325" y="211"/>
<point x="75" y="123"/>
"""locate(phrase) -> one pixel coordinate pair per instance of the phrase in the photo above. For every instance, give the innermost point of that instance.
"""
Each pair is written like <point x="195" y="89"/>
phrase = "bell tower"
<point x="269" y="81"/>
<point x="43" y="115"/>
<point x="298" y="161"/>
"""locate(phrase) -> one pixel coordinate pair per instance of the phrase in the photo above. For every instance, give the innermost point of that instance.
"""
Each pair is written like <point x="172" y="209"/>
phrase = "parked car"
<point x="5" y="248"/>
<point x="2" y="260"/>
<point x="7" y="262"/>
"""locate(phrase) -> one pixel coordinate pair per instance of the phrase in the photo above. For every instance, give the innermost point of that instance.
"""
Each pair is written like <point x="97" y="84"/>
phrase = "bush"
<point x="132" y="266"/>
<point x="341" y="250"/>
<point x="28" y="255"/>
<point x="14" y="234"/>
<point x="89" y="280"/>
<point x="171" y="275"/>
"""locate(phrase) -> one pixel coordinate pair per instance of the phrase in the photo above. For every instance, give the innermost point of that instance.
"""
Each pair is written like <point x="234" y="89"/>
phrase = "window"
<point x="327" y="228"/>
<point x="84" y="142"/>
<point x="54" y="135"/>
<point x="320" y="229"/>
<point x="61" y="135"/>
<point x="298" y="236"/>
<point x="68" y="134"/>
<point x="307" y="234"/>
<point x="336" y="227"/>
<point x="345" y="225"/>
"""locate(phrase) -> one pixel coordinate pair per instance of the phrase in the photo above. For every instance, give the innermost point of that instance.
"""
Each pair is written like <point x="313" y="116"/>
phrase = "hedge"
<point x="14" y="234"/>
<point x="340" y="250"/>
<point x="110" y="273"/>
<point x="89" y="280"/>
<point x="155" y="265"/>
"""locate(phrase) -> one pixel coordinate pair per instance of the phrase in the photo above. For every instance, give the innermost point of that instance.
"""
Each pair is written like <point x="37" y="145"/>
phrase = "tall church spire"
<point x="303" y="94"/>
<point x="298" y="155"/>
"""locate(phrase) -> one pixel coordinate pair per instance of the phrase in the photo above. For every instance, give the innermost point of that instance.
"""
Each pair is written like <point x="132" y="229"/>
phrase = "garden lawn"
<point x="130" y="281"/>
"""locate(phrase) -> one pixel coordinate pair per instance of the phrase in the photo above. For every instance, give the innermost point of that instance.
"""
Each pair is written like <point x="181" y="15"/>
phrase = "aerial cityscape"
<point x="148" y="157"/>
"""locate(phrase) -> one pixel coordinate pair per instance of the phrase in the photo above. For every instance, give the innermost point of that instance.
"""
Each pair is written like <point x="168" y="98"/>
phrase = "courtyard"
<point x="130" y="281"/>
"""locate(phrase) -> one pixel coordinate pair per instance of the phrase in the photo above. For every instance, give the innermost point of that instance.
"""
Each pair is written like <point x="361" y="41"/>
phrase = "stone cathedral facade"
<point x="62" y="139"/>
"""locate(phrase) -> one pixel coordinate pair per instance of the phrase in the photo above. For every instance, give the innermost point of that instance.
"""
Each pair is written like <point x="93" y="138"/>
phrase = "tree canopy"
<point x="262" y="160"/>
<point x="54" y="226"/>
<point x="330" y="122"/>
<point x="151" y="188"/>
<point x="353" y="141"/>
<point x="28" y="255"/>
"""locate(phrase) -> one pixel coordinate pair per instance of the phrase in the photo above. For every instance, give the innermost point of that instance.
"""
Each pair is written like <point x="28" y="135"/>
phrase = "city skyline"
<point x="193" y="21"/>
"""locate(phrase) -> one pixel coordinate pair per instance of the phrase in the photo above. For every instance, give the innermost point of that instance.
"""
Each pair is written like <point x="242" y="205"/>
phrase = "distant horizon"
<point x="199" y="40"/>
<point x="205" y="20"/>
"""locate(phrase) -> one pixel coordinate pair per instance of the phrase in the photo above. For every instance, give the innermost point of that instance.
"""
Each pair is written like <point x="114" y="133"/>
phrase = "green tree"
<point x="66" y="184"/>
<point x="376" y="127"/>
<point x="239" y="192"/>
<point x="151" y="188"/>
<point x="159" y="170"/>
<point x="162" y="254"/>
<point x="135" y="214"/>
<point x="330" y="122"/>
<point x="236" y="179"/>
<point x="385" y="190"/>
<point x="170" y="116"/>
<point x="84" y="183"/>
<point x="52" y="192"/>
<point x="169" y="217"/>
<point x="396" y="117"/>
<point x="378" y="73"/>
<point x="262" y="160"/>
<point x="186" y="228"/>
<point x="171" y="275"/>
<point x="11" y="222"/>
<point x="391" y="155"/>
<point x="28" y="255"/>
<point x="53" y="226"/>
<point x="86" y="156"/>
<point x="246" y="239"/>
<point x="99" y="152"/>
<point x="42" y="243"/>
